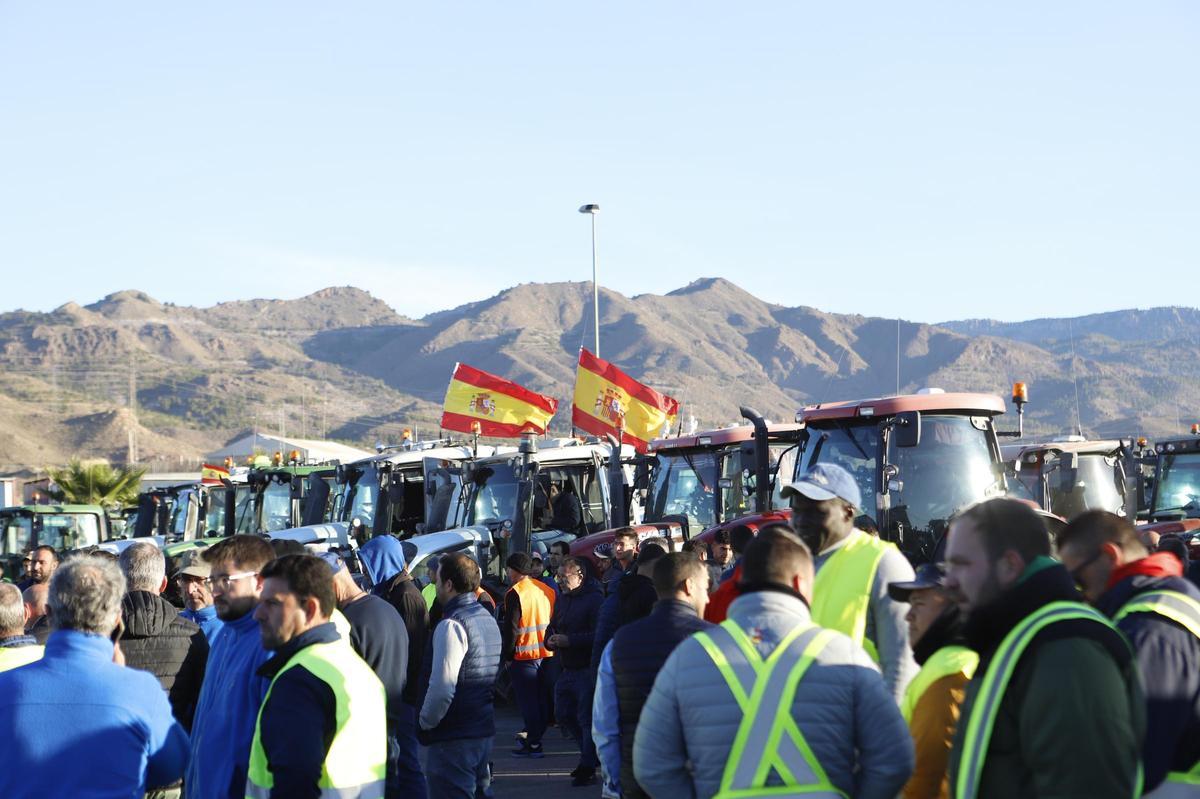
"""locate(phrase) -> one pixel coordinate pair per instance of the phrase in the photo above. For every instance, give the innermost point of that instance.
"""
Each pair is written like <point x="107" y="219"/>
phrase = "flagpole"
<point x="592" y="209"/>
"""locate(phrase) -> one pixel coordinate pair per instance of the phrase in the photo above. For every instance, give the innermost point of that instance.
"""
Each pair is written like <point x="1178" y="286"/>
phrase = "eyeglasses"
<point x="1077" y="572"/>
<point x="222" y="581"/>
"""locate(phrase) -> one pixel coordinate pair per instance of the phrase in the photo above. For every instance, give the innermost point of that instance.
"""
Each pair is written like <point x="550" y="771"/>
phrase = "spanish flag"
<point x="212" y="475"/>
<point x="606" y="397"/>
<point x="500" y="407"/>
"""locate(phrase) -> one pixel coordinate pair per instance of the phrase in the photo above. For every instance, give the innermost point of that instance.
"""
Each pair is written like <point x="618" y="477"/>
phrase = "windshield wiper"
<point x="850" y="435"/>
<point x="691" y="465"/>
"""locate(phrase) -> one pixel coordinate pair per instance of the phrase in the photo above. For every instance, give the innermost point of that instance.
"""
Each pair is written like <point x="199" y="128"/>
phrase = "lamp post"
<point x="592" y="209"/>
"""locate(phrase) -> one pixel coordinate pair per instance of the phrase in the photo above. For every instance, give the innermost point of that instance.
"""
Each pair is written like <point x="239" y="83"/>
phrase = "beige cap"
<point x="192" y="564"/>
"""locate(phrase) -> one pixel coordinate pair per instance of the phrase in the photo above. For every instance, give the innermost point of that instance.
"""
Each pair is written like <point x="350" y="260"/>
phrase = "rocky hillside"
<point x="341" y="363"/>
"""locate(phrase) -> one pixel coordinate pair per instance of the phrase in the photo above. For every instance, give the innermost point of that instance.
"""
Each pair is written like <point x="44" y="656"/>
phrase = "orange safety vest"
<point x="537" y="604"/>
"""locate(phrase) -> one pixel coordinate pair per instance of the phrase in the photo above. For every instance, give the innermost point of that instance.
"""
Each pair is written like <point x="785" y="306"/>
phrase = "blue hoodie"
<point x="207" y="619"/>
<point x="76" y="724"/>
<point x="226" y="712"/>
<point x="382" y="559"/>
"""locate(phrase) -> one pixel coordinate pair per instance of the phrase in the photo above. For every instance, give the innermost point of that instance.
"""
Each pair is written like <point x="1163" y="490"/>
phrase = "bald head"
<point x="12" y="611"/>
<point x="344" y="587"/>
<point x="37" y="602"/>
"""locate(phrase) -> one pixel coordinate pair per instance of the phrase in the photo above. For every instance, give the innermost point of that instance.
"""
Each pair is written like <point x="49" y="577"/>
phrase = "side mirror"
<point x="906" y="430"/>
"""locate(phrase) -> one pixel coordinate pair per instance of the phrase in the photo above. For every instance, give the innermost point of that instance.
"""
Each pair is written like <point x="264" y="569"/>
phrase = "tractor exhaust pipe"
<point x="762" y="460"/>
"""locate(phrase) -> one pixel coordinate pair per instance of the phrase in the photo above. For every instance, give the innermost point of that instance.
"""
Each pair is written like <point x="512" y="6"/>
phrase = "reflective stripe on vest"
<point x="13" y="656"/>
<point x="536" y="608"/>
<point x="942" y="663"/>
<point x="1184" y="611"/>
<point x="985" y="708"/>
<point x="356" y="764"/>
<point x="768" y="738"/>
<point x="842" y="589"/>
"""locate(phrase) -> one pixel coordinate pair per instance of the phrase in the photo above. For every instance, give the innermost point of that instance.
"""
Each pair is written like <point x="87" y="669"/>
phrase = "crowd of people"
<point x="806" y="658"/>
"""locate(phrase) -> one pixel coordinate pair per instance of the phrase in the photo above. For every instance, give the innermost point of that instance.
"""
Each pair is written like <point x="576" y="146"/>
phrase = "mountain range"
<point x="340" y="363"/>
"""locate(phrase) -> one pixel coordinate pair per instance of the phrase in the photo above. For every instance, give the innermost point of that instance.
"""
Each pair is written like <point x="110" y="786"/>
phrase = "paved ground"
<point x="547" y="778"/>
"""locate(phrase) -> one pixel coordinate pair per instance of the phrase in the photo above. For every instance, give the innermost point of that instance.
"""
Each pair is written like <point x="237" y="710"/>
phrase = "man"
<point x="636" y="594"/>
<point x="624" y="552"/>
<point x="322" y="729"/>
<point x="931" y="703"/>
<point x="567" y="515"/>
<point x="1158" y="610"/>
<point x="713" y="721"/>
<point x="626" y="548"/>
<point x="378" y="635"/>
<point x="75" y="723"/>
<point x="232" y="692"/>
<point x="457" y="718"/>
<point x="37" y="611"/>
<point x="570" y="635"/>
<point x="1025" y="730"/>
<point x="43" y="565"/>
<point x="854" y="569"/>
<point x="386" y="569"/>
<point x="528" y="607"/>
<point x="722" y="559"/>
<point x="192" y="582"/>
<point x="24" y="580"/>
<point x="558" y="551"/>
<point x="632" y="661"/>
<point x="156" y="638"/>
<point x="16" y="647"/>
<point x="725" y="589"/>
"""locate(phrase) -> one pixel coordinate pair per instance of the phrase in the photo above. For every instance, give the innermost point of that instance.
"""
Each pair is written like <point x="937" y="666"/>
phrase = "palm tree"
<point x="96" y="483"/>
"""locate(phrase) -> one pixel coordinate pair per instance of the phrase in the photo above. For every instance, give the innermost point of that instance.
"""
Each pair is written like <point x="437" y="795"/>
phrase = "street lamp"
<point x="592" y="209"/>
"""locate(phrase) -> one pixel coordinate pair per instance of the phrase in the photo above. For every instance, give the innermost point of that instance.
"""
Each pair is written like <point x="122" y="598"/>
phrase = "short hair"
<point x="691" y="545"/>
<point x="721" y="536"/>
<point x="649" y="553"/>
<point x="286" y="546"/>
<point x="626" y="532"/>
<point x="775" y="556"/>
<point x="1095" y="528"/>
<point x="45" y="548"/>
<point x="85" y="595"/>
<point x="740" y="538"/>
<point x="144" y="566"/>
<point x="461" y="571"/>
<point x="245" y="551"/>
<point x="1176" y="546"/>
<point x="571" y="560"/>
<point x="657" y="540"/>
<point x="566" y="548"/>
<point x="12" y="609"/>
<point x="673" y="570"/>
<point x="37" y="595"/>
<point x="1007" y="524"/>
<point x="307" y="576"/>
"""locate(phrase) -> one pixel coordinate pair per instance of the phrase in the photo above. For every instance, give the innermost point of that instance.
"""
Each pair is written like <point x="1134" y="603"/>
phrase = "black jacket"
<point x="406" y="598"/>
<point x="298" y="720"/>
<point x="378" y="636"/>
<point x="639" y="649"/>
<point x="574" y="616"/>
<point x="635" y="597"/>
<point x="158" y="640"/>
<point x="1168" y="659"/>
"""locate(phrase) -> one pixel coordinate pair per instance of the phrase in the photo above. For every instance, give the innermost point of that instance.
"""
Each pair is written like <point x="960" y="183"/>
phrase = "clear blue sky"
<point x="882" y="158"/>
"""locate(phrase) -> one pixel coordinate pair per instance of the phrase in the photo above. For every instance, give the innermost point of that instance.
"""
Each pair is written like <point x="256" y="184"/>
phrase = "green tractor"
<point x="64" y="527"/>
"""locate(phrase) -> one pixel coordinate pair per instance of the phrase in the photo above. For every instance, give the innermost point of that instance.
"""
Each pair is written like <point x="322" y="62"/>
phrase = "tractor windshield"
<point x="360" y="494"/>
<point x="493" y="494"/>
<point x="1178" y="489"/>
<point x="60" y="530"/>
<point x="1095" y="488"/>
<point x="684" y="483"/>
<point x="853" y="446"/>
<point x="276" y="506"/>
<point x="214" y="520"/>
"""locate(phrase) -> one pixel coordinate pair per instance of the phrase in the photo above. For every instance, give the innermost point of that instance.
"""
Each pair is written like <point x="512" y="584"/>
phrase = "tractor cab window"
<point x="684" y="483"/>
<point x="277" y="506"/>
<point x="214" y="519"/>
<point x="243" y="511"/>
<point x="493" y="494"/>
<point x="853" y="446"/>
<point x="360" y="495"/>
<point x="18" y="533"/>
<point x="1178" y="488"/>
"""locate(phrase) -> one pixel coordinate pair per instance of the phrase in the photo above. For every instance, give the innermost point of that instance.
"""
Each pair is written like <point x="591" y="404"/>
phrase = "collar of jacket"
<point x="986" y="626"/>
<point x="321" y="634"/>
<point x="946" y="630"/>
<point x="13" y="641"/>
<point x="203" y="614"/>
<point x="80" y="645"/>
<point x="458" y="602"/>
<point x="146" y="614"/>
<point x="672" y="607"/>
<point x="244" y="623"/>
<point x="1160" y="564"/>
<point x="1121" y="593"/>
<point x="769" y="598"/>
<point x="754" y="588"/>
<point x="588" y="586"/>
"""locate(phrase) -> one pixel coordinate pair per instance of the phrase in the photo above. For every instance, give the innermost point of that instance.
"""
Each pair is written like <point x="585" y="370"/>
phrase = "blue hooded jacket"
<point x="207" y="619"/>
<point x="226" y="712"/>
<point x="382" y="559"/>
<point x="76" y="724"/>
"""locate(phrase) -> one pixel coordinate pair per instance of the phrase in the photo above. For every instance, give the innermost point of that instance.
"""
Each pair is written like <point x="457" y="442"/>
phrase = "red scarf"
<point x="1160" y="564"/>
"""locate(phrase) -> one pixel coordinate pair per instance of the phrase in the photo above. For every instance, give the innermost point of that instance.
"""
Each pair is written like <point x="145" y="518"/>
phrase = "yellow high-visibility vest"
<point x="768" y="740"/>
<point x="355" y="766"/>
<point x="942" y="663"/>
<point x="13" y="656"/>
<point x="842" y="589"/>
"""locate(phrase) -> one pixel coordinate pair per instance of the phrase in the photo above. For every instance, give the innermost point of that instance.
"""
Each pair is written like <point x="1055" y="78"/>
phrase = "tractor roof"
<point x="932" y="402"/>
<point x="735" y="434"/>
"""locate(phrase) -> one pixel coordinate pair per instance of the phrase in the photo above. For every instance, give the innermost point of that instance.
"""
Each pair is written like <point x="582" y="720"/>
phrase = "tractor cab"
<point x="1071" y="476"/>
<point x="917" y="458"/>
<point x="64" y="527"/>
<point x="285" y="495"/>
<point x="1176" y="492"/>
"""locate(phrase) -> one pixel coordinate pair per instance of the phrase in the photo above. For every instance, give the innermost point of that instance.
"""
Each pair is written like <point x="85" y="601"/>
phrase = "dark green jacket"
<point x="1072" y="719"/>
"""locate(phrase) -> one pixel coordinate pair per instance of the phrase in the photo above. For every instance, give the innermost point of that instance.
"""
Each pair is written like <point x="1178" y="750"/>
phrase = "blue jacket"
<point x="609" y="617"/>
<point x="575" y="616"/>
<point x="471" y="713"/>
<point x="223" y="726"/>
<point x="206" y="619"/>
<point x="76" y="724"/>
<point x="1168" y="658"/>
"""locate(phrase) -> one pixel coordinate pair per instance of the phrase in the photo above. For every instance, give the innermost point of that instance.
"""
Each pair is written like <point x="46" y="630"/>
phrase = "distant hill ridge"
<point x="340" y="362"/>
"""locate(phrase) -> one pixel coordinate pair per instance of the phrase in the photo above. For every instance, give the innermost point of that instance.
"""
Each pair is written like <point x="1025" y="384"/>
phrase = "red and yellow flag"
<point x="500" y="407"/>
<point x="212" y="474"/>
<point x="604" y="396"/>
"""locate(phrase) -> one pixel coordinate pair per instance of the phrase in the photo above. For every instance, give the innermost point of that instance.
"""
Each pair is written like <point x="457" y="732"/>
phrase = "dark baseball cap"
<point x="520" y="562"/>
<point x="929" y="575"/>
<point x="334" y="560"/>
<point x="825" y="481"/>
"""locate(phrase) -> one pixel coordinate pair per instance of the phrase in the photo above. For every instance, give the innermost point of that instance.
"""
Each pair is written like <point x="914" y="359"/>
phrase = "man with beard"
<point x="232" y="693"/>
<point x="1055" y="708"/>
<point x="931" y="703"/>
<point x="854" y="569"/>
